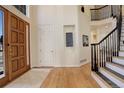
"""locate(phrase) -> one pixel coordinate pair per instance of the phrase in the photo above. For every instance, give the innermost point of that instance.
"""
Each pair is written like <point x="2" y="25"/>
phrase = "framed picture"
<point x="85" y="40"/>
<point x="69" y="39"/>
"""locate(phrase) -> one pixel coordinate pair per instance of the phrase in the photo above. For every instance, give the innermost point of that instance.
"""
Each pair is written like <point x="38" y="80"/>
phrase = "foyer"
<point x="50" y="46"/>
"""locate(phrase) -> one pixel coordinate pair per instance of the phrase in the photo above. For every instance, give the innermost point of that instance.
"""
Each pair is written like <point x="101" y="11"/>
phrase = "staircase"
<point x="107" y="58"/>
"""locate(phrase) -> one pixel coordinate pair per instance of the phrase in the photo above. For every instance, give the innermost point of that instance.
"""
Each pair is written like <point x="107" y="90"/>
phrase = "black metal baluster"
<point x="95" y="58"/>
<point x="92" y="58"/>
<point x="110" y="49"/>
<point x="116" y="42"/>
<point x="99" y="55"/>
<point x="113" y="43"/>
<point x="106" y="49"/>
<point x="104" y="53"/>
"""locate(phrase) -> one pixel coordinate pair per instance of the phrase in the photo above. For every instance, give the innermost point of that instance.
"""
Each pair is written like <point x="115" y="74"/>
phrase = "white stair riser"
<point x="118" y="60"/>
<point x="115" y="68"/>
<point x="121" y="54"/>
<point x="113" y="79"/>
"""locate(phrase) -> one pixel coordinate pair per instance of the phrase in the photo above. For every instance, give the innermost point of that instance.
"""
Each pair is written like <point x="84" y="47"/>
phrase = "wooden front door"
<point x="17" y="46"/>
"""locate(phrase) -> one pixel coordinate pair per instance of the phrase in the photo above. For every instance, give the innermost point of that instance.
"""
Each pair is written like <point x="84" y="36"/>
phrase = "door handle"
<point x="8" y="44"/>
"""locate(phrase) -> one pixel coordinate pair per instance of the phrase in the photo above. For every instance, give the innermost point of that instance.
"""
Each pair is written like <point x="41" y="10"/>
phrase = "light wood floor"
<point x="70" y="78"/>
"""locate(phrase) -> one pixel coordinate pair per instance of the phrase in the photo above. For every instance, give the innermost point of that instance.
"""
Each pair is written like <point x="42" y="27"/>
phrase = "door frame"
<point x="28" y="66"/>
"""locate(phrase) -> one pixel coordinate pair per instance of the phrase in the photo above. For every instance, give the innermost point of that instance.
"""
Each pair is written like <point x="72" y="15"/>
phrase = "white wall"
<point x="49" y="21"/>
<point x="52" y="19"/>
<point x="84" y="29"/>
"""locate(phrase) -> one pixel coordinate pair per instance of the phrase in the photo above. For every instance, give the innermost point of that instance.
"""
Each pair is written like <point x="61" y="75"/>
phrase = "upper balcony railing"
<point x="104" y="12"/>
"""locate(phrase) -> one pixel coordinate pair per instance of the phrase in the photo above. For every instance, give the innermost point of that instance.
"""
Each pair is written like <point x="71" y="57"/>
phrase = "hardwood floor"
<point x="70" y="78"/>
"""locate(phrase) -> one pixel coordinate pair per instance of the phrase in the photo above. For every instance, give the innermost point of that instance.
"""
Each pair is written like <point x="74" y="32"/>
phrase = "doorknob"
<point x="8" y="44"/>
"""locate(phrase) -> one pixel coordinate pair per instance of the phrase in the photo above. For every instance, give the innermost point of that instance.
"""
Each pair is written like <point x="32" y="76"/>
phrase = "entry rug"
<point x="31" y="79"/>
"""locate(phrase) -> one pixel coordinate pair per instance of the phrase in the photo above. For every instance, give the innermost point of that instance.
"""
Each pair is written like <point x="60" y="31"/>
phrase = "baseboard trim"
<point x="83" y="63"/>
<point x="45" y="67"/>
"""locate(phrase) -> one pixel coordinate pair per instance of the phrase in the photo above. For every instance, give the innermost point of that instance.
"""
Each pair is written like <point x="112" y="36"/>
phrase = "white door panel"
<point x="46" y="46"/>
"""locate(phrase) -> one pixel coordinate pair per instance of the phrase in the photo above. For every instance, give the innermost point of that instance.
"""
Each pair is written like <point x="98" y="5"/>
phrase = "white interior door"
<point x="47" y="46"/>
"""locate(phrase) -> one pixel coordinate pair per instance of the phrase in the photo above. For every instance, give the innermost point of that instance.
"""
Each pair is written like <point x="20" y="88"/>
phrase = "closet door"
<point x="17" y="46"/>
<point x="47" y="46"/>
<point x="4" y="77"/>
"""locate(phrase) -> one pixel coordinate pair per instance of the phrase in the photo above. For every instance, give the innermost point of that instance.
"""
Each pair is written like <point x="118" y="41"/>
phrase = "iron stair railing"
<point x="108" y="47"/>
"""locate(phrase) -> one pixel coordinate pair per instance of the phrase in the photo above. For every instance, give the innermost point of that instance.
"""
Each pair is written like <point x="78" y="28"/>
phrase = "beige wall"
<point x="84" y="20"/>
